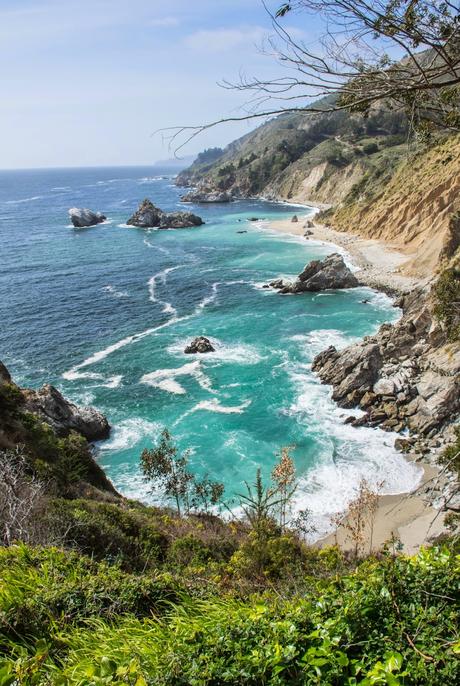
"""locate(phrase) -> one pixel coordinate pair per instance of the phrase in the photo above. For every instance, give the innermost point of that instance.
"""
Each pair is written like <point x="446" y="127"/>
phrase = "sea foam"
<point x="165" y="379"/>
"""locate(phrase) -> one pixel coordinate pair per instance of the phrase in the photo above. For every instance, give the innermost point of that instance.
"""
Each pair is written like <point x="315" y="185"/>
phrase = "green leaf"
<point x="393" y="662"/>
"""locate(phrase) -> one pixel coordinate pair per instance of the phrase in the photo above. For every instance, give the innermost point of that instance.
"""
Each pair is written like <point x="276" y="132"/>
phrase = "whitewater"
<point x="105" y="314"/>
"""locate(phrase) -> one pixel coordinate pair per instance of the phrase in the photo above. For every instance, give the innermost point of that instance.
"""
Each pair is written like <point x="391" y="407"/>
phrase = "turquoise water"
<point x="105" y="313"/>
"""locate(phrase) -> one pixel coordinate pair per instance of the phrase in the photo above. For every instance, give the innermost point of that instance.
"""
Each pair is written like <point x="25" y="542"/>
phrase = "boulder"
<point x="63" y="416"/>
<point x="321" y="275"/>
<point x="200" y="344"/>
<point x="82" y="217"/>
<point x="384" y="387"/>
<point x="295" y="219"/>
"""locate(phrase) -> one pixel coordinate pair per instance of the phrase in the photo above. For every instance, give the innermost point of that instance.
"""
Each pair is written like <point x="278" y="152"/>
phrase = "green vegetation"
<point x="96" y="589"/>
<point x="446" y="293"/>
<point x="67" y="620"/>
<point x="138" y="595"/>
<point x="281" y="153"/>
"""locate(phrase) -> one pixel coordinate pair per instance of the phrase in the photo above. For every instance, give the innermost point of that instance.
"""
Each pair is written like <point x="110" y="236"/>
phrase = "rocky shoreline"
<point x="405" y="379"/>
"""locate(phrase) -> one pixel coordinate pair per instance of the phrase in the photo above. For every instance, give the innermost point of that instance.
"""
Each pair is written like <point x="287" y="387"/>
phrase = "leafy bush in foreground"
<point x="45" y="590"/>
<point x="393" y="621"/>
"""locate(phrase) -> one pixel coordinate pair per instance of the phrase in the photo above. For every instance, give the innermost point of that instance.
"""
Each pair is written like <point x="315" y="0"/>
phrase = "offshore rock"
<point x="148" y="216"/>
<point x="201" y="344"/>
<point x="82" y="217"/>
<point x="179" y="220"/>
<point x="63" y="416"/>
<point x="322" y="275"/>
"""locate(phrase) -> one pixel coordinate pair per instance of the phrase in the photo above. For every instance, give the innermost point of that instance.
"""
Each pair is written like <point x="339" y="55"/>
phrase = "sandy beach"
<point x="380" y="265"/>
<point x="407" y="517"/>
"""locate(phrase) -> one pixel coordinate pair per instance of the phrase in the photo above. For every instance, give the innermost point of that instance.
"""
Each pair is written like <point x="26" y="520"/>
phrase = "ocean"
<point x="104" y="314"/>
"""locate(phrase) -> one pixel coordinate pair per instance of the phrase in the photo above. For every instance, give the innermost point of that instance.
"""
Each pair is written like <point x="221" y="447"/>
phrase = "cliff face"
<point x="417" y="210"/>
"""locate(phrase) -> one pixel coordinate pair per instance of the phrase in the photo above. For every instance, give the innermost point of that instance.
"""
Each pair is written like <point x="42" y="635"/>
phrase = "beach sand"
<point x="379" y="264"/>
<point x="407" y="517"/>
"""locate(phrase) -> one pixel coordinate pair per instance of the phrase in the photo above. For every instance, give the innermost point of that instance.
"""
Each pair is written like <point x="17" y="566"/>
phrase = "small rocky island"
<point x="200" y="344"/>
<point x="320" y="275"/>
<point x="148" y="216"/>
<point x="82" y="217"/>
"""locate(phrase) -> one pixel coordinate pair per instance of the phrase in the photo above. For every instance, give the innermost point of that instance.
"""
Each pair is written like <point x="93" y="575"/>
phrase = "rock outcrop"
<point x="407" y="376"/>
<point x="202" y="196"/>
<point x="148" y="216"/>
<point x="5" y="376"/>
<point x="180" y="220"/>
<point x="320" y="275"/>
<point x="63" y="416"/>
<point x="82" y="217"/>
<point x="201" y="344"/>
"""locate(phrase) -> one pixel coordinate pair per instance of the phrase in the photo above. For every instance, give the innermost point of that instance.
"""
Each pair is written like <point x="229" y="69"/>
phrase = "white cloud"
<point x="164" y="22"/>
<point x="221" y="40"/>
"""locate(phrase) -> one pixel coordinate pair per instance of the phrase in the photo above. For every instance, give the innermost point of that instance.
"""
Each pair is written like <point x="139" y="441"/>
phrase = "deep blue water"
<point x="104" y="314"/>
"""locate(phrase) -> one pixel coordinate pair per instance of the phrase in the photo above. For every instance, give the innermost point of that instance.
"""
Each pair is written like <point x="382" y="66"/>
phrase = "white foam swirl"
<point x="165" y="379"/>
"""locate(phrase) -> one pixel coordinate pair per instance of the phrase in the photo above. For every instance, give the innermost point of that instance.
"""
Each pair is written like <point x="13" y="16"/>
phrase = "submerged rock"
<point x="63" y="416"/>
<point x="148" y="216"/>
<point x="201" y="344"/>
<point x="82" y="217"/>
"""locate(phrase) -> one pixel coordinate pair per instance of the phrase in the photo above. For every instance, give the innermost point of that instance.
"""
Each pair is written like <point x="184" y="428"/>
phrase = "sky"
<point x="89" y="82"/>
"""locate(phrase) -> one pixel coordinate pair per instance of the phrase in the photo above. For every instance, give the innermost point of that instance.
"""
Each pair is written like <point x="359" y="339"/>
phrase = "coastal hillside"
<point x="379" y="186"/>
<point x="301" y="157"/>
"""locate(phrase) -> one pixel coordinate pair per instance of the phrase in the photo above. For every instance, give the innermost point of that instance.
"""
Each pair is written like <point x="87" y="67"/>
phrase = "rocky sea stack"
<point x="148" y="216"/>
<point x="320" y="275"/>
<point x="82" y="217"/>
<point x="201" y="344"/>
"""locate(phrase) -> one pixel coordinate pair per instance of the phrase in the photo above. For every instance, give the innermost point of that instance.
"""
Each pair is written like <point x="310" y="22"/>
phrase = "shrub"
<point x="109" y="532"/>
<point x="44" y="590"/>
<point x="446" y="293"/>
<point x="370" y="148"/>
<point x="393" y="621"/>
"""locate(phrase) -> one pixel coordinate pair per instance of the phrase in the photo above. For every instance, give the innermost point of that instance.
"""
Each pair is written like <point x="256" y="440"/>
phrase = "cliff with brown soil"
<point x="417" y="211"/>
